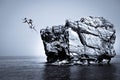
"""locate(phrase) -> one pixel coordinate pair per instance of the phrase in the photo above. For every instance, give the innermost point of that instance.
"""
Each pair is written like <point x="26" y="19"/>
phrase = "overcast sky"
<point x="16" y="39"/>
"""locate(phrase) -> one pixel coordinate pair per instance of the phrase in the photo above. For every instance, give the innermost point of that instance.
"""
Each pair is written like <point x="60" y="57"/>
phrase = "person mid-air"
<point x="30" y="23"/>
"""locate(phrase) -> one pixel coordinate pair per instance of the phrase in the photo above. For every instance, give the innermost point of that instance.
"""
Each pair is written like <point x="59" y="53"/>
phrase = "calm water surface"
<point x="35" y="68"/>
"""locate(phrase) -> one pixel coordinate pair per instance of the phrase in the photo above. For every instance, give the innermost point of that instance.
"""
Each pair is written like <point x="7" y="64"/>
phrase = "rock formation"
<point x="90" y="38"/>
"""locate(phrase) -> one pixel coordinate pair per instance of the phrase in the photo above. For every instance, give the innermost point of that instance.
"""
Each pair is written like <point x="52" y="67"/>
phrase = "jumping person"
<point x="30" y="23"/>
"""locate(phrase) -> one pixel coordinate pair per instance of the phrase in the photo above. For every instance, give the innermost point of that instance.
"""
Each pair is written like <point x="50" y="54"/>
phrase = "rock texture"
<point x="91" y="36"/>
<point x="56" y="41"/>
<point x="94" y="36"/>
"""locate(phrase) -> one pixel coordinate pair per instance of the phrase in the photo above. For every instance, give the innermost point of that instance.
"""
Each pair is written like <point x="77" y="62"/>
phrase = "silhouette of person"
<point x="67" y="23"/>
<point x="30" y="23"/>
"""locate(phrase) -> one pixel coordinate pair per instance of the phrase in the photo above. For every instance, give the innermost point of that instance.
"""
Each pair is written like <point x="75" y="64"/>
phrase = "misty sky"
<point x="16" y="39"/>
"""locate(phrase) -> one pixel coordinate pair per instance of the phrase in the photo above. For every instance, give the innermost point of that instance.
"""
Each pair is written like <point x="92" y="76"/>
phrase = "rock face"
<point x="92" y="36"/>
<point x="55" y="41"/>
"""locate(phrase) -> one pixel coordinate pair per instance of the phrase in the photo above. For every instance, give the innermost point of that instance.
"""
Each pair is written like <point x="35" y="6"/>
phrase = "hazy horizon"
<point x="16" y="39"/>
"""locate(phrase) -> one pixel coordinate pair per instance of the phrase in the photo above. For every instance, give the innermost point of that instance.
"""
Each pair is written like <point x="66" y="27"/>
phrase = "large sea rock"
<point x="93" y="36"/>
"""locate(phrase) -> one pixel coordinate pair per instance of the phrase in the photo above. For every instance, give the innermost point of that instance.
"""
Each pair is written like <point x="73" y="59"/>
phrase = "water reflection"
<point x="78" y="72"/>
<point x="56" y="72"/>
<point x="105" y="72"/>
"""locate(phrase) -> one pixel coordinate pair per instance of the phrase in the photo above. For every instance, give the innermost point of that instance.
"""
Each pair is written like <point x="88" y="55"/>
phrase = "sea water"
<point x="36" y="68"/>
